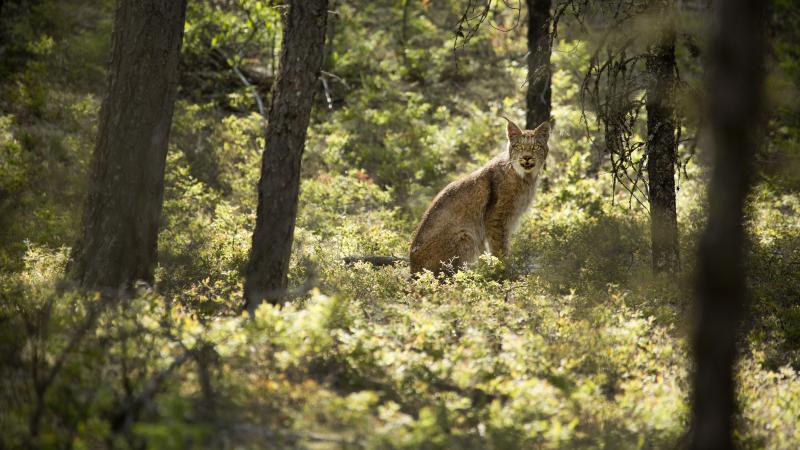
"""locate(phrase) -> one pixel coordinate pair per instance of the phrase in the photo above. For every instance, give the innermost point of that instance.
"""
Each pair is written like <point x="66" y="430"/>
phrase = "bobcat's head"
<point x="527" y="149"/>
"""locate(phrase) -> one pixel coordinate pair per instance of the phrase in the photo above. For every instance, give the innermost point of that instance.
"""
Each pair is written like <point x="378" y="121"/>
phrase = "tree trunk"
<point x="301" y="59"/>
<point x="662" y="153"/>
<point x="735" y="84"/>
<point x="537" y="99"/>
<point x="118" y="240"/>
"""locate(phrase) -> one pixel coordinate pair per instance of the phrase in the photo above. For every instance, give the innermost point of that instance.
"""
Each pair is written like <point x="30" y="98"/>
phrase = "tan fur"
<point x="480" y="211"/>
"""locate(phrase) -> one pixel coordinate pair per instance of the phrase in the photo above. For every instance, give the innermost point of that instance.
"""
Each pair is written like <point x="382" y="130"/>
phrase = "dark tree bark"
<point x="118" y="238"/>
<point x="301" y="59"/>
<point x="537" y="99"/>
<point x="735" y="83"/>
<point x="12" y="54"/>
<point x="662" y="153"/>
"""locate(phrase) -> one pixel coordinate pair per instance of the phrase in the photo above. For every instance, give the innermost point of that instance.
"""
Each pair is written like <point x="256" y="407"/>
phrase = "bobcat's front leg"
<point x="498" y="239"/>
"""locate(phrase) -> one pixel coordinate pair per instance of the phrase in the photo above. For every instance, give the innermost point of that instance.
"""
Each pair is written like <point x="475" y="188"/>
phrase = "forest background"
<point x="577" y="340"/>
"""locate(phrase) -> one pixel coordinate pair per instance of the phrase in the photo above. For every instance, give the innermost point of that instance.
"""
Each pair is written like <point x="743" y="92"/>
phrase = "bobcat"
<point x="480" y="211"/>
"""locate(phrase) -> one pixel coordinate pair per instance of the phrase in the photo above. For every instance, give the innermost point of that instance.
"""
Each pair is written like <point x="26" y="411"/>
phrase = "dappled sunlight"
<point x="571" y="340"/>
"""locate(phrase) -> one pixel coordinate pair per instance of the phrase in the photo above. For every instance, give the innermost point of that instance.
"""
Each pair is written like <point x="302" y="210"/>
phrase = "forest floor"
<point x="571" y="344"/>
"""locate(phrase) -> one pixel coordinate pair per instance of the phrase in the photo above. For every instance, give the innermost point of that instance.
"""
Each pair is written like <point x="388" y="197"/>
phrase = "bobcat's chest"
<point x="515" y="197"/>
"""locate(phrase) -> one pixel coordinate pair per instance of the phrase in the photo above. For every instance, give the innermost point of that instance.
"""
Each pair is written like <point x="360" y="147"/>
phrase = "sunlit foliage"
<point x="570" y="343"/>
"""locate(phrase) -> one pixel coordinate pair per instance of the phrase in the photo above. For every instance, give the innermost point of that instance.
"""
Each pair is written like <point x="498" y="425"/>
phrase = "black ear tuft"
<point x="512" y="130"/>
<point x="542" y="132"/>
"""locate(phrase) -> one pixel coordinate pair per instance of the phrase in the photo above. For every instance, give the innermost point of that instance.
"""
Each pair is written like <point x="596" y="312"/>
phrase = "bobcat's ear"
<point x="542" y="132"/>
<point x="512" y="130"/>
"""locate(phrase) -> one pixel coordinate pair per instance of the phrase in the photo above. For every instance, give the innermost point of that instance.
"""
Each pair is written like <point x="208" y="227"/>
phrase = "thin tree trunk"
<point x="301" y="59"/>
<point x="734" y="87"/>
<point x="537" y="99"/>
<point x="118" y="239"/>
<point x="662" y="153"/>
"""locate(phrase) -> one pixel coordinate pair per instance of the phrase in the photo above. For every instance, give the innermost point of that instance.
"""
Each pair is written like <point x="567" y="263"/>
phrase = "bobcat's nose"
<point x="527" y="162"/>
